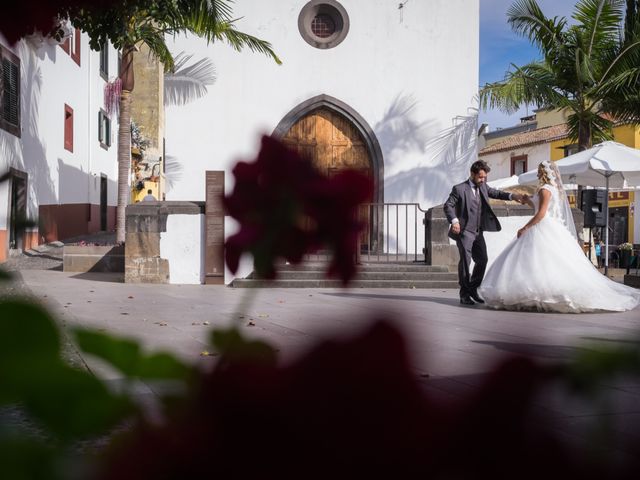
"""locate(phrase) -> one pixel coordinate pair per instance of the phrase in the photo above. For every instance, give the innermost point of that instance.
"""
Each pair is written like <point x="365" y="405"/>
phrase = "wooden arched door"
<point x="332" y="143"/>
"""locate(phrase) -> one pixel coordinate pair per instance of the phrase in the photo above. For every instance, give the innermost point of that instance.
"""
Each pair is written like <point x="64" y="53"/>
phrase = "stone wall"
<point x="441" y="252"/>
<point x="145" y="223"/>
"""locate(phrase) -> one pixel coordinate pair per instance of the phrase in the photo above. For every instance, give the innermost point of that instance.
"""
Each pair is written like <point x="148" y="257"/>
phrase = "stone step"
<point x="367" y="275"/>
<point x="368" y="267"/>
<point x="326" y="283"/>
<point x="92" y="258"/>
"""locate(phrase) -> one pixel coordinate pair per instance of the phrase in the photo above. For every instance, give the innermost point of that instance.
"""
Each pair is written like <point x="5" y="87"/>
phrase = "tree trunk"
<point x="124" y="142"/>
<point x="124" y="163"/>
<point x="584" y="136"/>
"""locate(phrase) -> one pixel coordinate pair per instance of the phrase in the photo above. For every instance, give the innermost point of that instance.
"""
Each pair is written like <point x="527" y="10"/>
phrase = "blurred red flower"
<point x="22" y="18"/>
<point x="286" y="208"/>
<point x="348" y="409"/>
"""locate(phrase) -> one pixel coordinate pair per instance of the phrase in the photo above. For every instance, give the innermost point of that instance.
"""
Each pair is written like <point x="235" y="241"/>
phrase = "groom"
<point x="470" y="214"/>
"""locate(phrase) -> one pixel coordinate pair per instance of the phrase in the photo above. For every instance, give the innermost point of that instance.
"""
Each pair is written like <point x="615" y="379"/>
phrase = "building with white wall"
<point x="364" y="85"/>
<point x="56" y="140"/>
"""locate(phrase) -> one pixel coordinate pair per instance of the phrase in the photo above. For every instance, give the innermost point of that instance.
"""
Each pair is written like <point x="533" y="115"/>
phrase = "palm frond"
<point x="212" y="20"/>
<point x="238" y="40"/>
<point x="188" y="83"/>
<point x="623" y="59"/>
<point x="530" y="84"/>
<point x="601" y="21"/>
<point x="526" y="18"/>
<point x="155" y="40"/>
<point x="173" y="170"/>
<point x="600" y="127"/>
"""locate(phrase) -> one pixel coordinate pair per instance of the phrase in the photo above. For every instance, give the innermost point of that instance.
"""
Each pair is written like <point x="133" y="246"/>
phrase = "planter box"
<point x="79" y="258"/>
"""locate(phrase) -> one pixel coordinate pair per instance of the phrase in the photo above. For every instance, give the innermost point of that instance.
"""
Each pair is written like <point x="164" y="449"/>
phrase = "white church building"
<point x="383" y="86"/>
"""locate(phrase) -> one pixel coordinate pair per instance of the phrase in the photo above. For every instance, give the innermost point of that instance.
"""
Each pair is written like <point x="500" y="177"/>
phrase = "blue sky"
<point x="500" y="46"/>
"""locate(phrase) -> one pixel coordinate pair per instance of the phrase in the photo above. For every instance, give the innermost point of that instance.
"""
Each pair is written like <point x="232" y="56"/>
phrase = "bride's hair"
<point x="543" y="175"/>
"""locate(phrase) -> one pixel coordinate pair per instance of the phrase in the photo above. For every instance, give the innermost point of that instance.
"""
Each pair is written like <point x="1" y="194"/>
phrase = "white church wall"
<point x="182" y="245"/>
<point x="408" y="72"/>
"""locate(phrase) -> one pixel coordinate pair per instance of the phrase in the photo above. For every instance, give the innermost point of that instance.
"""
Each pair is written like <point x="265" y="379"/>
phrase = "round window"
<point x="323" y="23"/>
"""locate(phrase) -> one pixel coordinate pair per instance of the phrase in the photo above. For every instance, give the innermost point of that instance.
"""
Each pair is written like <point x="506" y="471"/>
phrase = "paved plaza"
<point x="452" y="347"/>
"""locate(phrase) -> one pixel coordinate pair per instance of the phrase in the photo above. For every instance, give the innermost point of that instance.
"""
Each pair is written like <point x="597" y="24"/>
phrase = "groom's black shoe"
<point x="476" y="297"/>
<point x="467" y="301"/>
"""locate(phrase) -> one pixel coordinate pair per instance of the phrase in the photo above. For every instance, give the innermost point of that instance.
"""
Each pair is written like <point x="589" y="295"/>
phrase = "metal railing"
<point x="392" y="232"/>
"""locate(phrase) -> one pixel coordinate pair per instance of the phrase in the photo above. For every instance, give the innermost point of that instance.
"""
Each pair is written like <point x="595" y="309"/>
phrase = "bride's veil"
<point x="562" y="210"/>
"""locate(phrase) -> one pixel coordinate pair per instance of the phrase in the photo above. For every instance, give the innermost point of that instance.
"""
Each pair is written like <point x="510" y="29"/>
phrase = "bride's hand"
<point x="521" y="231"/>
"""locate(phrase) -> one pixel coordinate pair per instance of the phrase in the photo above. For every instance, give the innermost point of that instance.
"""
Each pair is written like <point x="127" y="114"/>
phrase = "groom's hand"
<point x="455" y="228"/>
<point x="523" y="199"/>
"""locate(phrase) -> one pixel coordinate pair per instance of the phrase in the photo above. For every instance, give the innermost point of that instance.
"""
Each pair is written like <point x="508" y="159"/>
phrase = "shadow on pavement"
<point x="532" y="350"/>
<point x="444" y="301"/>
<point x="111" y="277"/>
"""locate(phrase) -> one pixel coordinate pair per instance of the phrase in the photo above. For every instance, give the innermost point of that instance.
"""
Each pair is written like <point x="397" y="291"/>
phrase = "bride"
<point x="545" y="269"/>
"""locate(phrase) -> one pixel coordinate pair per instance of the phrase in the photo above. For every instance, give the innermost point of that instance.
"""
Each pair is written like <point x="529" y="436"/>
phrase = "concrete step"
<point x="325" y="283"/>
<point x="367" y="275"/>
<point x="85" y="258"/>
<point x="368" y="267"/>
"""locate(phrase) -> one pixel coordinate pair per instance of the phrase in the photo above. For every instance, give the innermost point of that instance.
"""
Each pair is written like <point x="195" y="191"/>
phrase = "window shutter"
<point x="104" y="60"/>
<point x="68" y="128"/>
<point x="107" y="128"/>
<point x="100" y="132"/>
<point x="75" y="49"/>
<point x="11" y="94"/>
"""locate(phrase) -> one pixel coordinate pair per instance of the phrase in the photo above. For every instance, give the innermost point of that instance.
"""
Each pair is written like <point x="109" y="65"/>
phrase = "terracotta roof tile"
<point x="533" y="137"/>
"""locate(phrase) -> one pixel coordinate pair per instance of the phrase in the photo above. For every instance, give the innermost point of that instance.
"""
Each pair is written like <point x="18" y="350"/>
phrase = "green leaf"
<point x="27" y="334"/>
<point x="127" y="356"/>
<point x="233" y="346"/>
<point x="123" y="354"/>
<point x="162" y="366"/>
<point x="26" y="459"/>
<point x="73" y="403"/>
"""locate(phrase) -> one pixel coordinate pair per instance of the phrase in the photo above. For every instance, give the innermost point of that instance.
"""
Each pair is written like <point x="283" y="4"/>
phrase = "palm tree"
<point x="591" y="69"/>
<point x="129" y="23"/>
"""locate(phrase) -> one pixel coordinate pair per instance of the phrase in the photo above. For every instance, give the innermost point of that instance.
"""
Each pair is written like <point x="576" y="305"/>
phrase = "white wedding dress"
<point x="546" y="270"/>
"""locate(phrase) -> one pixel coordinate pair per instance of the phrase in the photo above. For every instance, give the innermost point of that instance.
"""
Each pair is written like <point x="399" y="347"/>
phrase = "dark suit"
<point x="475" y="216"/>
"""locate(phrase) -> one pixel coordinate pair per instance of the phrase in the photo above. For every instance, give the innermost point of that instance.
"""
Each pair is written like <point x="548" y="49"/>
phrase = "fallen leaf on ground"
<point x="205" y="323"/>
<point x="130" y="296"/>
<point x="205" y="353"/>
<point x="124" y="313"/>
<point x="251" y="324"/>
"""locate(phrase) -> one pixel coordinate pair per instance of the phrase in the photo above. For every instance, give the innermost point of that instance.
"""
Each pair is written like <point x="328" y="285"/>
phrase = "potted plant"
<point x="626" y="251"/>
